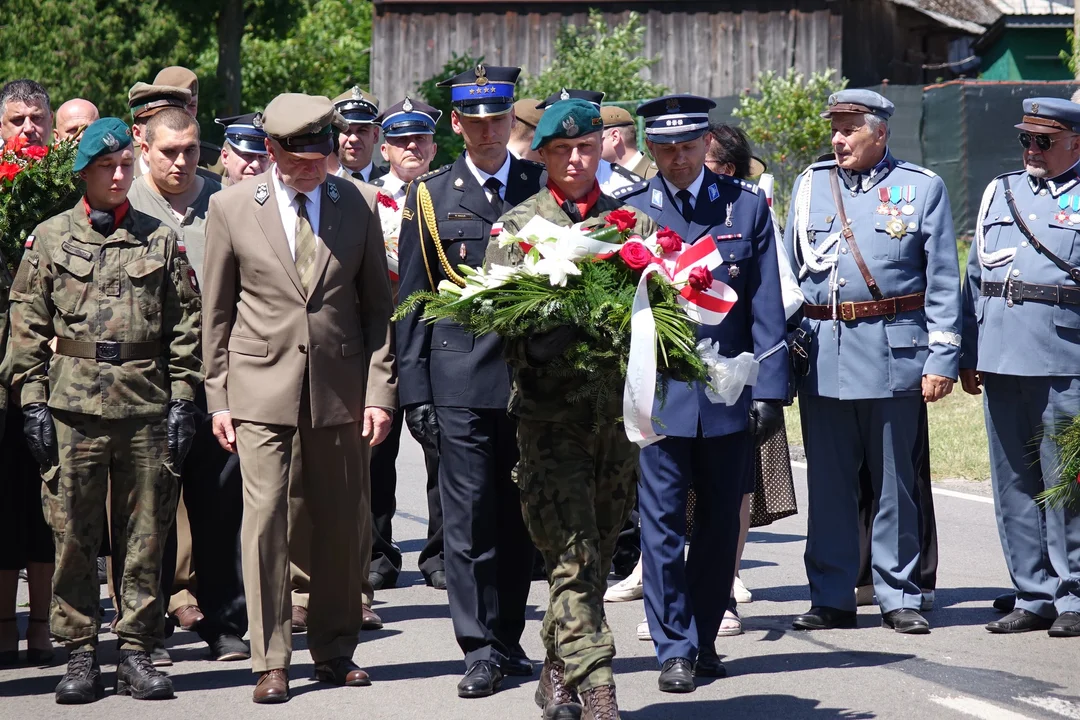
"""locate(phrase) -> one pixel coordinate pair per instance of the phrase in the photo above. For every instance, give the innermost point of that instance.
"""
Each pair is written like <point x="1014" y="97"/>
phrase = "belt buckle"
<point x="1014" y="292"/>
<point x="107" y="351"/>
<point x="845" y="307"/>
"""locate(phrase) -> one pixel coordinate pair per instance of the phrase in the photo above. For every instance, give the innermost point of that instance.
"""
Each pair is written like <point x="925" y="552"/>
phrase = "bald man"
<point x="72" y="118"/>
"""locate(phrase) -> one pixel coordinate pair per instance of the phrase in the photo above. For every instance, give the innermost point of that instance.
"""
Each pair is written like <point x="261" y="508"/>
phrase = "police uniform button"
<point x="914" y="341"/>
<point x="842" y="282"/>
<point x="1024" y="243"/>
<point x="1016" y="273"/>
<point x="1043" y="191"/>
<point x="843" y="251"/>
<point x="460" y="233"/>
<point x="1032" y="216"/>
<point x="1007" y="218"/>
<point x="302" y="348"/>
<point x="732" y="256"/>
<point x="828" y="218"/>
<point x="444" y="343"/>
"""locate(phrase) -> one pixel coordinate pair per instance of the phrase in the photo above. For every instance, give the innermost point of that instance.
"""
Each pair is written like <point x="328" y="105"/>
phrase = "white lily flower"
<point x="445" y="286"/>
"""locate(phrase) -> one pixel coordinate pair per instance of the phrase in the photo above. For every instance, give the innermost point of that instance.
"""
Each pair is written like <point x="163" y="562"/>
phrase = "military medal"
<point x="895" y="228"/>
<point x="1061" y="216"/>
<point x="883" y="195"/>
<point x="907" y="194"/>
<point x="908" y="209"/>
<point x="733" y="271"/>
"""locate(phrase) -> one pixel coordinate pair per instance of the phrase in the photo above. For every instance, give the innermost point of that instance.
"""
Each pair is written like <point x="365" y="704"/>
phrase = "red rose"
<point x="636" y="255"/>
<point x="35" y="152"/>
<point x="8" y="171"/>
<point x="622" y="219"/>
<point x="669" y="240"/>
<point x="700" y="278"/>
<point x="386" y="201"/>
<point x="15" y="144"/>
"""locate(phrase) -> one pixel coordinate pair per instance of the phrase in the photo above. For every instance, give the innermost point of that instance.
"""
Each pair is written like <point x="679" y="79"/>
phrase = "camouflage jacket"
<point x="536" y="393"/>
<point x="134" y="286"/>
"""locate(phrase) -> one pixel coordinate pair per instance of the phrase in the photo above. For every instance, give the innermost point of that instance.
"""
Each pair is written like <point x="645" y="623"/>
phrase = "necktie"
<point x="492" y="185"/>
<point x="304" y="256"/>
<point x="358" y="175"/>
<point x="687" y="209"/>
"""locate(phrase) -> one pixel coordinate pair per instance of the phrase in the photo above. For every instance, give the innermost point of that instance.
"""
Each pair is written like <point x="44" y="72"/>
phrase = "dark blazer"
<point x="442" y="363"/>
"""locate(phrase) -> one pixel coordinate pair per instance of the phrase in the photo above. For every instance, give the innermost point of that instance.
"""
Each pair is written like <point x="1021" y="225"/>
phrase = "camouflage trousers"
<point x="577" y="489"/>
<point x="132" y="454"/>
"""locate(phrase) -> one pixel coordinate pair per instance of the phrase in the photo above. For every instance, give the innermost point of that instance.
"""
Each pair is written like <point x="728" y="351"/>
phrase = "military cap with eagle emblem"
<point x="357" y="106"/>
<point x="104" y="136"/>
<point x="409" y="117"/>
<point x="591" y="96"/>
<point x="1046" y="116"/>
<point x="241" y="133"/>
<point x="676" y="118"/>
<point x="572" y="118"/>
<point x="484" y="91"/>
<point x="859" y="101"/>
<point x="302" y="124"/>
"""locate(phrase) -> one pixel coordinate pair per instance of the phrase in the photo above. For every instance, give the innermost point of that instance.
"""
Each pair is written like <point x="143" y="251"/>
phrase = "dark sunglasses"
<point x="1043" y="142"/>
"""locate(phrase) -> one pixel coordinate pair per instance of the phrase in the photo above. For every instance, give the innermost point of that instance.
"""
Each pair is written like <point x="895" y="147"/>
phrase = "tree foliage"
<point x="782" y="120"/>
<point x="597" y="57"/>
<point x="450" y="144"/>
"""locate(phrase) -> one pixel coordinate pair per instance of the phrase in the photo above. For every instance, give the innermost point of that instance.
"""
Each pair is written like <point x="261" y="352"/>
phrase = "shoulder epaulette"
<point x="433" y="173"/>
<point x="747" y="186"/>
<point x="627" y="190"/>
<point x="823" y="163"/>
<point x="378" y="182"/>
<point x="916" y="168"/>
<point x="626" y="173"/>
<point x="533" y="163"/>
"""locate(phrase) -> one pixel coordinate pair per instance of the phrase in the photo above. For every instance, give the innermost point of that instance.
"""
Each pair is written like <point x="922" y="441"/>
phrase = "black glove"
<point x="543" y="348"/>
<point x="40" y="433"/>
<point x="183" y="421"/>
<point x="420" y="419"/>
<point x="766" y="417"/>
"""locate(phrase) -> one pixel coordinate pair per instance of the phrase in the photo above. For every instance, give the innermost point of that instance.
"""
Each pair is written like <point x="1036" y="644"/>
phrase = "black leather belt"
<point x="108" y="350"/>
<point x="1017" y="291"/>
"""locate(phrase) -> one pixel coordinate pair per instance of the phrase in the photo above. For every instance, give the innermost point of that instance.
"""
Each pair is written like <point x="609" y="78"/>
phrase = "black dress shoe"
<point x="226" y="648"/>
<point x="437" y="580"/>
<point x="1005" y="603"/>
<point x="517" y="665"/>
<point x="482" y="679"/>
<point x="379" y="581"/>
<point x="1066" y="625"/>
<point x="906" y="621"/>
<point x="708" y="665"/>
<point x="1019" y="621"/>
<point x="81" y="683"/>
<point x="676" y="676"/>
<point x="822" y="617"/>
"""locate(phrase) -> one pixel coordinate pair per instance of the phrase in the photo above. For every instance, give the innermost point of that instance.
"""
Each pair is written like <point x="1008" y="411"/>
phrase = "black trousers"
<point x="213" y="493"/>
<point x="488" y="552"/>
<point x="928" y="546"/>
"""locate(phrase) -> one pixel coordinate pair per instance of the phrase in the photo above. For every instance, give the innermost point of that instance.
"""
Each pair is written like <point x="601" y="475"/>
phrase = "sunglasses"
<point x="1043" y="142"/>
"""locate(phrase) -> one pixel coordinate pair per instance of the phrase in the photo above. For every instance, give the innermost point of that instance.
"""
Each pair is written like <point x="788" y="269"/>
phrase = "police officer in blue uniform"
<point x="457" y="385"/>
<point x="1022" y="345"/>
<point x="243" y="154"/>
<point x="708" y="445"/>
<point x="872" y="239"/>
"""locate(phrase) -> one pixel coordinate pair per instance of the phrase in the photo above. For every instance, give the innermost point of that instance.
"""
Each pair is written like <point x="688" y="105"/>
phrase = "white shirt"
<point x="503" y="174"/>
<point x="694" y="188"/>
<point x="609" y="180"/>
<point x="288" y="208"/>
<point x="365" y="173"/>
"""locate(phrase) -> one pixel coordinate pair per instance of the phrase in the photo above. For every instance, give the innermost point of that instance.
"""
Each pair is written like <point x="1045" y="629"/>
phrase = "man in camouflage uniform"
<point x="577" y="471"/>
<point x="104" y="351"/>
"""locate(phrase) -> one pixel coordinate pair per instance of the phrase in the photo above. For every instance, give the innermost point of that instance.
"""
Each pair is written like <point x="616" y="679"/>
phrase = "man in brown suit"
<point x="296" y="347"/>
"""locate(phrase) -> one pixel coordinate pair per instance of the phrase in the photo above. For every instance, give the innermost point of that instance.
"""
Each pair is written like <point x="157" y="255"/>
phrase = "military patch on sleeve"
<point x="332" y="193"/>
<point x="29" y="242"/>
<point x="262" y="193"/>
<point x="192" y="279"/>
<point x="181" y="246"/>
<point x="407" y="214"/>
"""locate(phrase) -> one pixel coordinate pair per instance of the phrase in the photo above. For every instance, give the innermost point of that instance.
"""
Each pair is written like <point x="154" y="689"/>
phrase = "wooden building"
<point x="712" y="48"/>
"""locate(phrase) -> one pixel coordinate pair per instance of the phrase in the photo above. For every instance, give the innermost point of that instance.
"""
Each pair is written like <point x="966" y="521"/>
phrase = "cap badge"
<point x="672" y="105"/>
<point x="356" y="93"/>
<point x="257" y="121"/>
<point x="570" y="126"/>
<point x="1035" y="108"/>
<point x="564" y="95"/>
<point x="332" y="192"/>
<point x="262" y="193"/>
<point x="110" y="141"/>
<point x="481" y="75"/>
<point x="832" y="99"/>
<point x="407" y="105"/>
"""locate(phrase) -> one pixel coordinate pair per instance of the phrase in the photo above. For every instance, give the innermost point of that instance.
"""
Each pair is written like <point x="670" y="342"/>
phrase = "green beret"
<point x="104" y="136"/>
<point x="571" y="118"/>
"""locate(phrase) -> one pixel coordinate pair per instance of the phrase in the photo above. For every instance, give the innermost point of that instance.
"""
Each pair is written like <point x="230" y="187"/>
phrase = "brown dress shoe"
<point x="299" y="619"/>
<point x="189" y="616"/>
<point x="371" y="620"/>
<point x="341" y="671"/>
<point x="272" y="687"/>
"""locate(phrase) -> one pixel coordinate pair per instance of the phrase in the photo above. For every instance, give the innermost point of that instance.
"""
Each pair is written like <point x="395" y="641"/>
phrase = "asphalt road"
<point x="958" y="671"/>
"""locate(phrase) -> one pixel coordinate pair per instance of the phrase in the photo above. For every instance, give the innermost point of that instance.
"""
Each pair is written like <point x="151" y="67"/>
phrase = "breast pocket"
<point x="909" y="346"/>
<point x="72" y="285"/>
<point x="1063" y="241"/>
<point x="451" y="338"/>
<point x="997" y="230"/>
<point x="736" y="255"/>
<point x="893" y="236"/>
<point x="465" y="241"/>
<point x="147" y="276"/>
<point x="819" y="225"/>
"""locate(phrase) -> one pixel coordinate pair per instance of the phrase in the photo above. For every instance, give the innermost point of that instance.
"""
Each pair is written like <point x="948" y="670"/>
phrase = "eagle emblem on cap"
<point x="672" y="105"/>
<point x="564" y="95"/>
<point x="832" y="99"/>
<point x="1035" y="108"/>
<point x="110" y="141"/>
<point x="481" y="74"/>
<point x="257" y="121"/>
<point x="407" y="105"/>
<point x="570" y="126"/>
<point x="262" y="193"/>
<point x="357" y="94"/>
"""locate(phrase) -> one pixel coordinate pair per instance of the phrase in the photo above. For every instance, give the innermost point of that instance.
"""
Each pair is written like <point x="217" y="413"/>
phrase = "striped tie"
<point x="305" y="244"/>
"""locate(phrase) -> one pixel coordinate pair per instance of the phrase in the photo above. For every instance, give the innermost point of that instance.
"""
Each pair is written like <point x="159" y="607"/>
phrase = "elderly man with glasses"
<point x="1021" y="343"/>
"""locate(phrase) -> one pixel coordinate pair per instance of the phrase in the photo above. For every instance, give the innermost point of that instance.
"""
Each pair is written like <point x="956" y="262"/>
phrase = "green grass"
<point x="958" y="445"/>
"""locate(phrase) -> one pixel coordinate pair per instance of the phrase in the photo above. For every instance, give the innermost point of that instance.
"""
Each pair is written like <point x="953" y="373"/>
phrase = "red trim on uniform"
<point x="584" y="204"/>
<point x="119" y="212"/>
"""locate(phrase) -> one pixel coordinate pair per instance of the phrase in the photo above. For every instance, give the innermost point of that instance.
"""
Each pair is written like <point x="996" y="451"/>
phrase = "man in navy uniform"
<point x="872" y="239"/>
<point x="456" y="386"/>
<point x="1022" y="344"/>
<point x="709" y="445"/>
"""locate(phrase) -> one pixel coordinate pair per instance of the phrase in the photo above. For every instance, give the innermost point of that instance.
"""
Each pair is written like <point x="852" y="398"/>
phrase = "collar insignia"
<point x="262" y="193"/>
<point x="714" y="192"/>
<point x="524" y="176"/>
<point x="657" y="199"/>
<point x="459" y="182"/>
<point x="332" y="192"/>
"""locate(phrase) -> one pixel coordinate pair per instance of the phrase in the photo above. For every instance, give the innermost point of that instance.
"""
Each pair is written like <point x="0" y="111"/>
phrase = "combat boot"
<point x="137" y="676"/>
<point x="558" y="701"/>
<point x="82" y="682"/>
<point x="600" y="703"/>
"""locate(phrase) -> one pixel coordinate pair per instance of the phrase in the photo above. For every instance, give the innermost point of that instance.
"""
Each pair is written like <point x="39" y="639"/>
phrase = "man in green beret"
<point x="104" y="356"/>
<point x="577" y="471"/>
